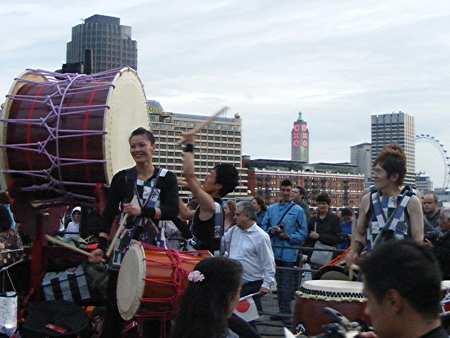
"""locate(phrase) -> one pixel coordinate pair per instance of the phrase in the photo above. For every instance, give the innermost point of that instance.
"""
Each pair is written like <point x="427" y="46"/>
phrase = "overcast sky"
<point x="338" y="62"/>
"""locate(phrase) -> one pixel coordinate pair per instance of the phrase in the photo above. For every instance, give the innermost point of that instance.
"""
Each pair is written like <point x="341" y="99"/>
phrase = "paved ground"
<point x="267" y="327"/>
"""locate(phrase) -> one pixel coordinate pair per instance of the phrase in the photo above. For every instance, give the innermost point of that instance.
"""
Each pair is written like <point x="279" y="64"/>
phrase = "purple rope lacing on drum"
<point x="56" y="81"/>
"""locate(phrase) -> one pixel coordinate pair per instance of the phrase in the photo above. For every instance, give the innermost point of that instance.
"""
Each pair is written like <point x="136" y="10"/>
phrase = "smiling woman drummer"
<point x="156" y="190"/>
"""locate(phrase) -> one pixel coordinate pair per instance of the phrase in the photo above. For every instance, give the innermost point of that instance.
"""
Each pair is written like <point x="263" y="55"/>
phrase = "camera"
<point x="280" y="227"/>
<point x="431" y="236"/>
<point x="341" y="327"/>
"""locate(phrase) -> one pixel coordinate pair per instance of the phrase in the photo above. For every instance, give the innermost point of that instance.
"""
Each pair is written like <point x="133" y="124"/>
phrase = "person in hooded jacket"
<point x="73" y="228"/>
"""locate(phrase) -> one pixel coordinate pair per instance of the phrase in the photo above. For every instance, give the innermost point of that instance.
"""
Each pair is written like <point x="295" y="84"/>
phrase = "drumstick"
<point x="204" y="124"/>
<point x="351" y="273"/>
<point x="68" y="246"/>
<point x="119" y="229"/>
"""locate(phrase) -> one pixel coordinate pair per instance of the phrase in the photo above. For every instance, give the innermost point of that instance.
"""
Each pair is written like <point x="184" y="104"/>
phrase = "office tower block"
<point x="395" y="128"/>
<point x="361" y="156"/>
<point x="109" y="41"/>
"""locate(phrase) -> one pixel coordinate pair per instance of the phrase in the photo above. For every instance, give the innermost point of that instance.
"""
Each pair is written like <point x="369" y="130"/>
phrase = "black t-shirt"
<point x="204" y="231"/>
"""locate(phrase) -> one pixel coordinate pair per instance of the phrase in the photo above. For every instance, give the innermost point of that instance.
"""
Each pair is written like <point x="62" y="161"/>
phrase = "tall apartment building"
<point x="361" y="156"/>
<point x="300" y="140"/>
<point x="395" y="128"/>
<point x="220" y="142"/>
<point x="109" y="41"/>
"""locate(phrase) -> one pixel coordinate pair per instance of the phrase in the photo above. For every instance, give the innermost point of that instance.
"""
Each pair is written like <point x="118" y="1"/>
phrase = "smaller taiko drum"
<point x="151" y="281"/>
<point x="314" y="296"/>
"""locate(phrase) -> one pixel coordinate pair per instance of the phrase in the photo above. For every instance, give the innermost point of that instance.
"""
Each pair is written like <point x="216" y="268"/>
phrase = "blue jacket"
<point x="296" y="227"/>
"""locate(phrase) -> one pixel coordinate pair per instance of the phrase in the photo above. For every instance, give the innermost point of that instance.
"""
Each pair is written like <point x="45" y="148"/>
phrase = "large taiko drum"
<point x="314" y="296"/>
<point x="64" y="133"/>
<point x="151" y="281"/>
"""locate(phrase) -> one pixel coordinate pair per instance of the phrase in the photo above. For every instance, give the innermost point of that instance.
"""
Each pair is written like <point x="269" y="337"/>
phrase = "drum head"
<point x="332" y="290"/>
<point x="445" y="285"/>
<point x="127" y="112"/>
<point x="130" y="283"/>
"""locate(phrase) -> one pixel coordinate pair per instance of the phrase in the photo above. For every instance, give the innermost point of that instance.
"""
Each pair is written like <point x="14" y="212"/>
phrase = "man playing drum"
<point x="208" y="220"/>
<point x="388" y="211"/>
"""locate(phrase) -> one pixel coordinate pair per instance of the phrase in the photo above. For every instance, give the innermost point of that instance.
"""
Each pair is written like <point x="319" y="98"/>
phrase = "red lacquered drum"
<point x="151" y="281"/>
<point x="64" y="133"/>
<point x="314" y="296"/>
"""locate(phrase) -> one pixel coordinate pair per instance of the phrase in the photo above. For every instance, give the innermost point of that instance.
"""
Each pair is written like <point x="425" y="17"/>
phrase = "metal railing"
<point x="270" y="304"/>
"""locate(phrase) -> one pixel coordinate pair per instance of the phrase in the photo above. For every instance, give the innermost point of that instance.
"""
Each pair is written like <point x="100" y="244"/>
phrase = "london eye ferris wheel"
<point x="432" y="160"/>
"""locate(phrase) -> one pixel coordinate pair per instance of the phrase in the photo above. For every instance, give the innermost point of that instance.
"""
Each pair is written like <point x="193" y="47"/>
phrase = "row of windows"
<point x="202" y="146"/>
<point x="109" y="65"/>
<point x="232" y="143"/>
<point x="113" y="60"/>
<point x="117" y="39"/>
<point x="190" y="125"/>
<point x="103" y="55"/>
<point x="113" y="48"/>
<point x="200" y="149"/>
<point x="201" y="167"/>
<point x="205" y="154"/>
<point x="164" y="133"/>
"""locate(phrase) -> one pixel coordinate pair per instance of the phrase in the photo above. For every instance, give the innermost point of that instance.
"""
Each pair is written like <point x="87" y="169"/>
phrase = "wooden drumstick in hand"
<point x="204" y="124"/>
<point x="119" y="230"/>
<point x="352" y="273"/>
<point x="66" y="245"/>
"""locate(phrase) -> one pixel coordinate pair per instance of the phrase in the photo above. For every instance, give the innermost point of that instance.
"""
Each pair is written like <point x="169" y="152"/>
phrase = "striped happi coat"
<point x="394" y="213"/>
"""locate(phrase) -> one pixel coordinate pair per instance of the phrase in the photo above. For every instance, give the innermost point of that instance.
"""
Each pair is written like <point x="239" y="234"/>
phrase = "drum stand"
<point x="35" y="222"/>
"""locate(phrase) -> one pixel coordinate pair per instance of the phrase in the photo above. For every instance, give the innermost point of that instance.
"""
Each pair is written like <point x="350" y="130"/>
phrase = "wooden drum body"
<point x="151" y="281"/>
<point x="314" y="296"/>
<point x="64" y="133"/>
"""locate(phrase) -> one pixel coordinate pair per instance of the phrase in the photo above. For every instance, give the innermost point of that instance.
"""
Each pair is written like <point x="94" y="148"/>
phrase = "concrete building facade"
<point x="344" y="187"/>
<point x="220" y="142"/>
<point x="109" y="41"/>
<point x="361" y="156"/>
<point x="424" y="184"/>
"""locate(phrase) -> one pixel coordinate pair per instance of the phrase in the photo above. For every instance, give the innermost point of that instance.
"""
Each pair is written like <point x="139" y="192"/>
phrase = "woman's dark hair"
<point x="323" y="197"/>
<point x="5" y="218"/>
<point x="143" y="131"/>
<point x="261" y="203"/>
<point x="205" y="304"/>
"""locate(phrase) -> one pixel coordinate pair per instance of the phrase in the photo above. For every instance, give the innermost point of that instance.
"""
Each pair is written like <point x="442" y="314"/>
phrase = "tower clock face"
<point x="300" y="136"/>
